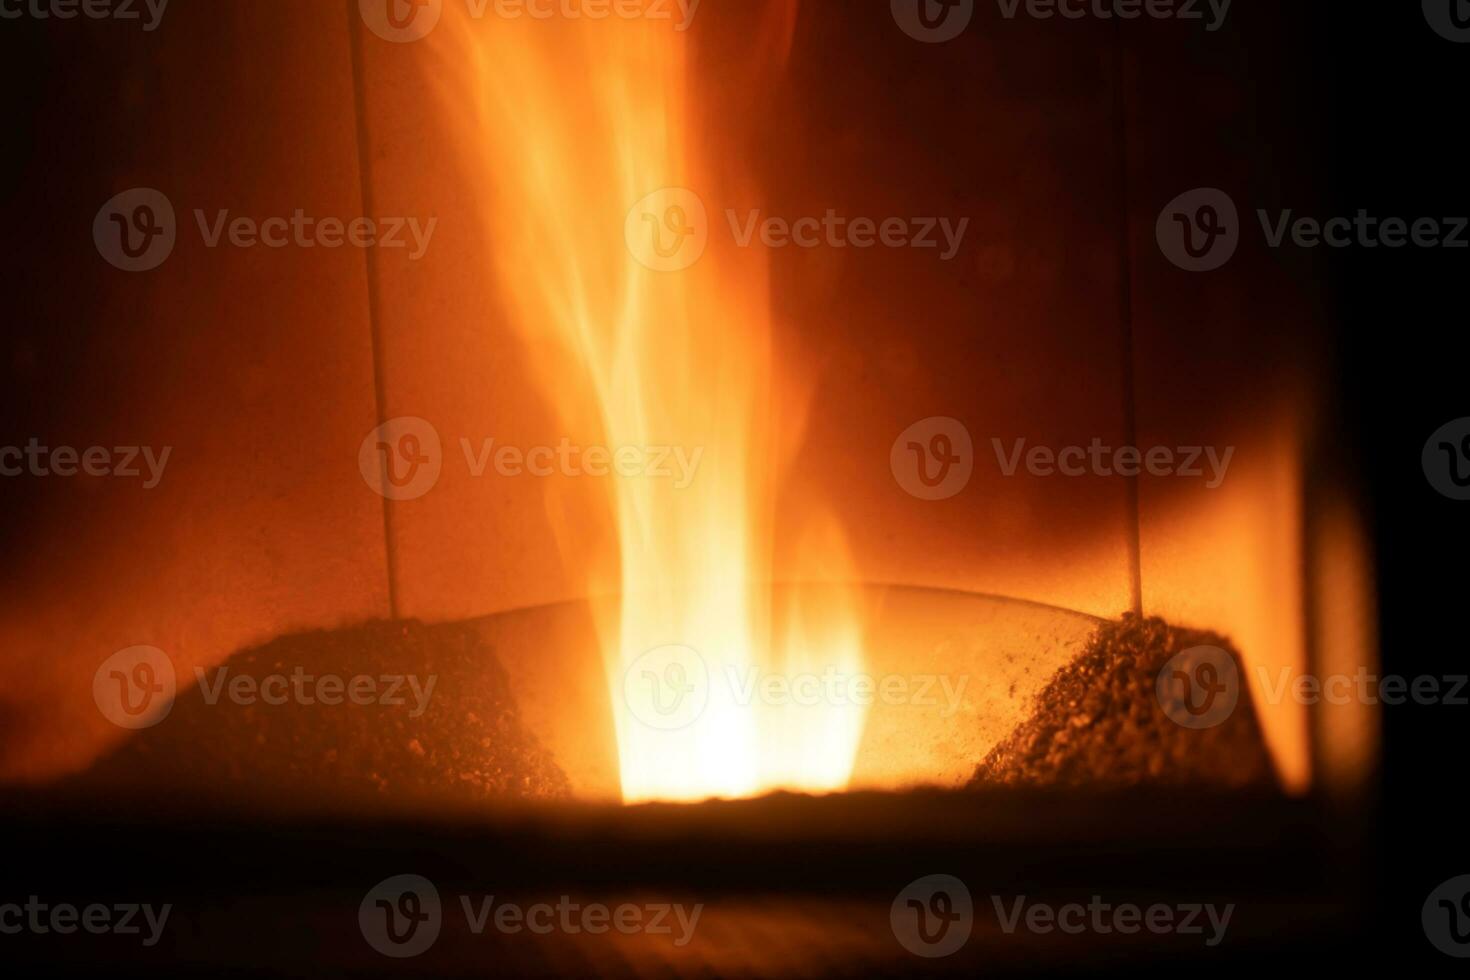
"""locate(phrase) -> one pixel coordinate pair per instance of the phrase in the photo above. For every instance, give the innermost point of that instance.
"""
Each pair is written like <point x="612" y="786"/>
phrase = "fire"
<point x="650" y="330"/>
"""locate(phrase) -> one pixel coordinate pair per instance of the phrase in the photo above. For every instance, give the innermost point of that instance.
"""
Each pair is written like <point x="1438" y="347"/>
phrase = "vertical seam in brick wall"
<point x="370" y="258"/>
<point x="1133" y="515"/>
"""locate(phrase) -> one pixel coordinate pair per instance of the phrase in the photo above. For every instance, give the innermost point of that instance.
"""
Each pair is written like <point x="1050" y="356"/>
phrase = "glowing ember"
<point x="648" y="332"/>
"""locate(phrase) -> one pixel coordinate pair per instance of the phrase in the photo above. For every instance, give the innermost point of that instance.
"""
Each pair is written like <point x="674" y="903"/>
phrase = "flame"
<point x="654" y="331"/>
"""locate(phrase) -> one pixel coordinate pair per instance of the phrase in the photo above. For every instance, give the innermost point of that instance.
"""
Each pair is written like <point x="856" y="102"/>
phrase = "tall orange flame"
<point x="587" y="130"/>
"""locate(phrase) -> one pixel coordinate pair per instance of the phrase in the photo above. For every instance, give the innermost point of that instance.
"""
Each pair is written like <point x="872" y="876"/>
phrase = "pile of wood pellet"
<point x="1100" y="722"/>
<point x="460" y="739"/>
